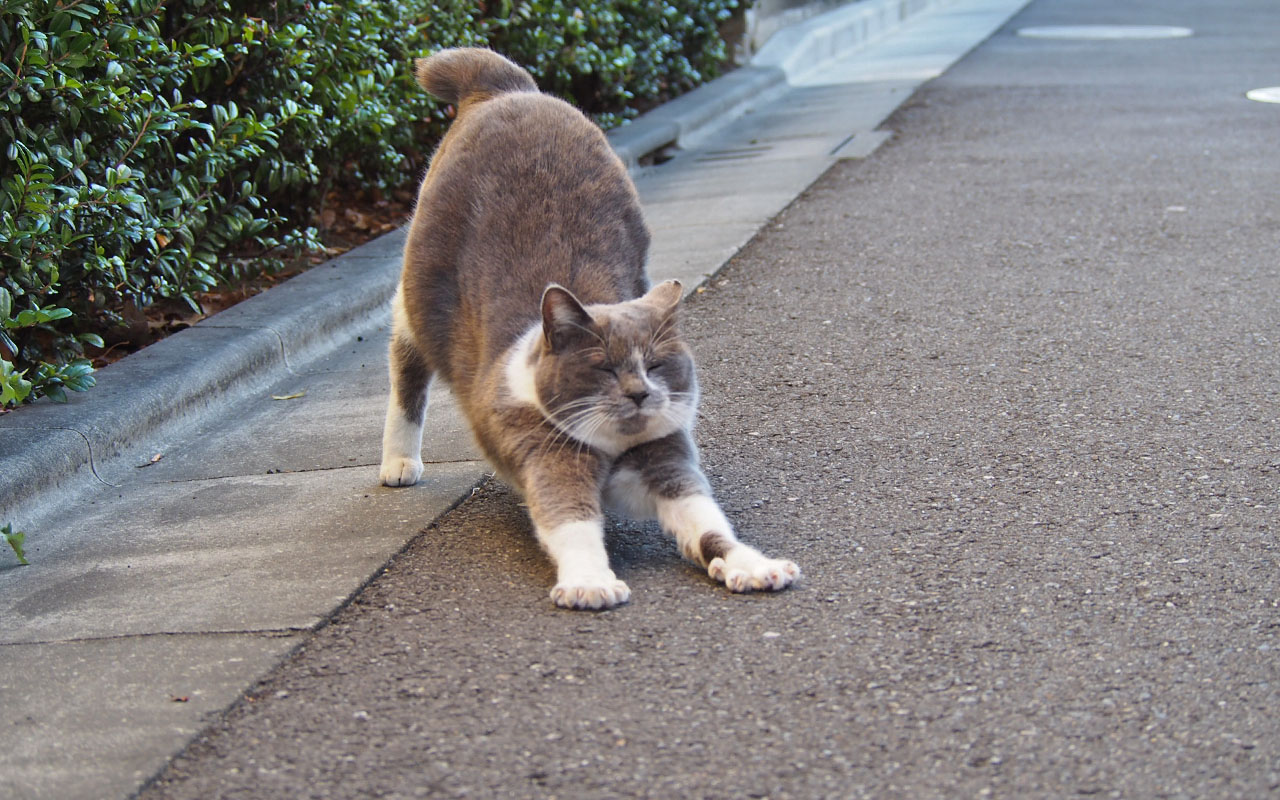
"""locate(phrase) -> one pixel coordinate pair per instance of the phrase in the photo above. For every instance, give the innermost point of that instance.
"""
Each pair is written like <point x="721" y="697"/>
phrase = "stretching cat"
<point x="524" y="288"/>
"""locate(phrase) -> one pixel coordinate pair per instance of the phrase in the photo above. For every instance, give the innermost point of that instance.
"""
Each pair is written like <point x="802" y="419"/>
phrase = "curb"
<point x="799" y="48"/>
<point x="55" y="447"/>
<point x="690" y="113"/>
<point x="789" y="53"/>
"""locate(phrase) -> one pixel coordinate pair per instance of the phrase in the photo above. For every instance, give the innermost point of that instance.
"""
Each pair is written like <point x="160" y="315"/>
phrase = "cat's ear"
<point x="665" y="296"/>
<point x="563" y="317"/>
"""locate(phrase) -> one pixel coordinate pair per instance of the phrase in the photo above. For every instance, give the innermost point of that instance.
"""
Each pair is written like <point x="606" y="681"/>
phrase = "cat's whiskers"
<point x="680" y="406"/>
<point x="566" y="423"/>
<point x="571" y="423"/>
<point x="662" y="333"/>
<point x="591" y="425"/>
<point x="574" y="406"/>
<point x="585" y="435"/>
<point x="559" y="440"/>
<point x="578" y="425"/>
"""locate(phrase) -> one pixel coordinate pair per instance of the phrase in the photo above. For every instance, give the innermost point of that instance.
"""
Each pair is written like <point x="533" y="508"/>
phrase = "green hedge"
<point x="156" y="149"/>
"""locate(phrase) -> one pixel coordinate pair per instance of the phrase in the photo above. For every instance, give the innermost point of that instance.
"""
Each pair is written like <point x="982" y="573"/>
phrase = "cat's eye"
<point x="608" y="369"/>
<point x="652" y="365"/>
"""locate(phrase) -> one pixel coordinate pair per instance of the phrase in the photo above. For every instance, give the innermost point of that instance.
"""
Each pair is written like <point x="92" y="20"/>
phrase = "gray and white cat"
<point x="524" y="288"/>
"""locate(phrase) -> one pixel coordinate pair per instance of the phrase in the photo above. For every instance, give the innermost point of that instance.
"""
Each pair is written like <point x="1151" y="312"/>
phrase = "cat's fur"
<point x="524" y="288"/>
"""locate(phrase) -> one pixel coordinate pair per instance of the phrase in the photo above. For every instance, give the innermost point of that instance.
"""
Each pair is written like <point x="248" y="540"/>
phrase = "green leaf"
<point x="15" y="540"/>
<point x="77" y="369"/>
<point x="14" y="387"/>
<point x="51" y="314"/>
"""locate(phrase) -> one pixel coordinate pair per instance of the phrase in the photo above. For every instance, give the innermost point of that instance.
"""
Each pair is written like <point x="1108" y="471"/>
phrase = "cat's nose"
<point x="638" y="397"/>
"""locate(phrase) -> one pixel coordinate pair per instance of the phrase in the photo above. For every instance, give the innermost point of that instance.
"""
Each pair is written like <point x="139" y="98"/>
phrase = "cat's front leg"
<point x="661" y="480"/>
<point x="583" y="577"/>
<point x="706" y="537"/>
<point x="563" y="499"/>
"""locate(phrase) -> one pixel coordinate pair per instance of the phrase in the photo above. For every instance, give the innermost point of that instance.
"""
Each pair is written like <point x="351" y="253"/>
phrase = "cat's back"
<point x="512" y="146"/>
<point x="523" y="191"/>
<point x="535" y="152"/>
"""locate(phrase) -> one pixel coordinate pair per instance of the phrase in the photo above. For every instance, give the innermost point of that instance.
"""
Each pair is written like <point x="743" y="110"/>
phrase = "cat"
<point x="524" y="288"/>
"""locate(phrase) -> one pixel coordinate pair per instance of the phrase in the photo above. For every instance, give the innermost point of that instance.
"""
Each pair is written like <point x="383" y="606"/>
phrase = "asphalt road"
<point x="1007" y="391"/>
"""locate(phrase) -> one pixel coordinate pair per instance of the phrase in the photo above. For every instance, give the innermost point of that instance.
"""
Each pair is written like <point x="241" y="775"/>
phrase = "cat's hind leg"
<point x="407" y="406"/>
<point x="661" y="480"/>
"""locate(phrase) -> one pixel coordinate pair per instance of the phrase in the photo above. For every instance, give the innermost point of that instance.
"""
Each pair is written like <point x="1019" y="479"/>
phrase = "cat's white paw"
<point x="596" y="593"/>
<point x="400" y="471"/>
<point x="744" y="570"/>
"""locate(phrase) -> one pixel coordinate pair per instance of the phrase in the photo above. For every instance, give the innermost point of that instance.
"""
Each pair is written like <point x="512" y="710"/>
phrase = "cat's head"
<point x="615" y="375"/>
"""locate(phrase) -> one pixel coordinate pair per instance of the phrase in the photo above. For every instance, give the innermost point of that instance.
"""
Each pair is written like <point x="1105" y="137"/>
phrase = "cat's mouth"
<point x="653" y="419"/>
<point x="636" y="423"/>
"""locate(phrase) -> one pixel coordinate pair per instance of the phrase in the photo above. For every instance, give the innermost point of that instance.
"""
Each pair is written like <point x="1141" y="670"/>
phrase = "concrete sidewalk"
<point x="214" y="499"/>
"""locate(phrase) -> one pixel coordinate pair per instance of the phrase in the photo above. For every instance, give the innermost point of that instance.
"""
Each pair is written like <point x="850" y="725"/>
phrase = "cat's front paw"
<point x="596" y="593"/>
<point x="744" y="570"/>
<point x="400" y="471"/>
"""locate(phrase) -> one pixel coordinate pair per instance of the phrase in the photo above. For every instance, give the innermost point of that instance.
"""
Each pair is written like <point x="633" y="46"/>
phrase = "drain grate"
<point x="1105" y="32"/>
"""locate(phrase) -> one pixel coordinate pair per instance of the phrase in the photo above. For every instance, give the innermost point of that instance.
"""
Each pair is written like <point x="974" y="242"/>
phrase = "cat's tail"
<point x="467" y="75"/>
